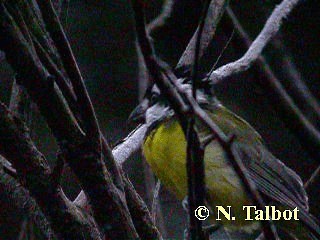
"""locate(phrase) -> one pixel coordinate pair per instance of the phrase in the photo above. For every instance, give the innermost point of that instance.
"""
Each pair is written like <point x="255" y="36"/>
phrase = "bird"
<point x="164" y="148"/>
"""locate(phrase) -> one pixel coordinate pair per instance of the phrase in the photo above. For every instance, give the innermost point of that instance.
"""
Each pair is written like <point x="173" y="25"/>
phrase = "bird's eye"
<point x="154" y="98"/>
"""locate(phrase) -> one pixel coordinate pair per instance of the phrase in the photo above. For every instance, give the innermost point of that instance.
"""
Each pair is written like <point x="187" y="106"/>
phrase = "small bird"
<point x="164" y="149"/>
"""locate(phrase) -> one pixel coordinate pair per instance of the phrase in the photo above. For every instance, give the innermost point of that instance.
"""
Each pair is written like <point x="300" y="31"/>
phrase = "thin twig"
<point x="64" y="86"/>
<point x="312" y="178"/>
<point x="155" y="201"/>
<point x="149" y="179"/>
<point x="221" y="53"/>
<point x="269" y="30"/>
<point x="296" y="84"/>
<point x="140" y="214"/>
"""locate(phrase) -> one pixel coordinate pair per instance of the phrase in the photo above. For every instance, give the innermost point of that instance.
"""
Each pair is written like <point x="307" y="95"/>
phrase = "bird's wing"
<point x="272" y="177"/>
<point x="278" y="182"/>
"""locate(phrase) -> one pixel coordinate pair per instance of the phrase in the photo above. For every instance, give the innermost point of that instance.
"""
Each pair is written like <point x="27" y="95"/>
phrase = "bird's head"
<point x="154" y="107"/>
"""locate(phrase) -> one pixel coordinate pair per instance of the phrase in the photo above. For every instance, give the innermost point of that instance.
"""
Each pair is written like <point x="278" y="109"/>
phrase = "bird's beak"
<point x="138" y="114"/>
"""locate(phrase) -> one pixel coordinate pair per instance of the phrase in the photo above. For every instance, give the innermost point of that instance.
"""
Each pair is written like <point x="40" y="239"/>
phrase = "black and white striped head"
<point x="155" y="107"/>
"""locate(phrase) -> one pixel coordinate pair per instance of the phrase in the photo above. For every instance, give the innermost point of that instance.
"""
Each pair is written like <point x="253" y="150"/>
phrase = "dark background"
<point x="102" y="37"/>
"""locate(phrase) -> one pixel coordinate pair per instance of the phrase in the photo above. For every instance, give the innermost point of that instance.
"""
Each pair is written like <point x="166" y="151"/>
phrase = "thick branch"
<point x="138" y="210"/>
<point x="122" y="152"/>
<point x="20" y="103"/>
<point x="15" y="193"/>
<point x="34" y="173"/>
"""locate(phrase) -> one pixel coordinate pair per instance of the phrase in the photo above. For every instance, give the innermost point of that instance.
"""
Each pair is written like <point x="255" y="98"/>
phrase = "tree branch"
<point x="271" y="27"/>
<point x="175" y="14"/>
<point x="291" y="77"/>
<point x="140" y="214"/>
<point x="35" y="174"/>
<point x="195" y="153"/>
<point x="26" y="63"/>
<point x="20" y="103"/>
<point x="122" y="152"/>
<point x="22" y="106"/>
<point x="55" y="29"/>
<point x="13" y="192"/>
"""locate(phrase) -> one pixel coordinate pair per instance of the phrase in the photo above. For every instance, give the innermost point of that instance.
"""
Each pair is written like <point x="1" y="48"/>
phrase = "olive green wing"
<point x="272" y="178"/>
<point x="277" y="182"/>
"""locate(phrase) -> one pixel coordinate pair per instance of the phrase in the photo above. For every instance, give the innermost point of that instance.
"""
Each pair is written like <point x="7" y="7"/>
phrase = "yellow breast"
<point x="165" y="151"/>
